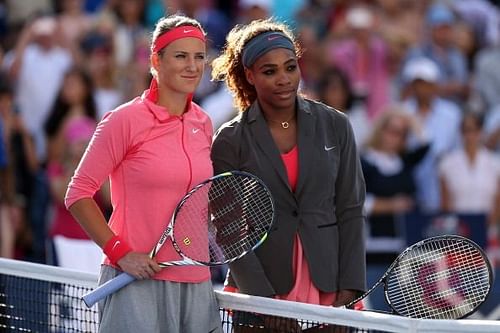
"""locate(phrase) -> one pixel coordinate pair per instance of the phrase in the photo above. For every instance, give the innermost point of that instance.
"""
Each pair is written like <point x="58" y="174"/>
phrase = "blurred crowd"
<point x="419" y="80"/>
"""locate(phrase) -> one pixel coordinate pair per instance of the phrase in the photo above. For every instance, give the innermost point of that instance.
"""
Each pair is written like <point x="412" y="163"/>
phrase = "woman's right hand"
<point x="139" y="265"/>
<point x="402" y="204"/>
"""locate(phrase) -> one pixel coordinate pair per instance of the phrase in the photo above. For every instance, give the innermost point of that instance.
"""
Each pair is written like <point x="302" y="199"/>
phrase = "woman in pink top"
<point x="306" y="154"/>
<point x="153" y="149"/>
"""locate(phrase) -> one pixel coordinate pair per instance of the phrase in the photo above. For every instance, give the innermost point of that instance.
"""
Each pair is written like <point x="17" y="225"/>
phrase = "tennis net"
<point x="41" y="298"/>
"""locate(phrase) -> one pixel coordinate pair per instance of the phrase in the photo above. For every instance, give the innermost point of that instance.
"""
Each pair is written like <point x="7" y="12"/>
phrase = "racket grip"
<point x="107" y="289"/>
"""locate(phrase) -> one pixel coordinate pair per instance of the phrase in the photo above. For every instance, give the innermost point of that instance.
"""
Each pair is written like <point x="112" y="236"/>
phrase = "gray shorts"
<point x="152" y="306"/>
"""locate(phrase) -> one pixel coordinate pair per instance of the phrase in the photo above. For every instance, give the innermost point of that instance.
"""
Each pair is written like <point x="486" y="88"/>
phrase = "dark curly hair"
<point x="228" y="66"/>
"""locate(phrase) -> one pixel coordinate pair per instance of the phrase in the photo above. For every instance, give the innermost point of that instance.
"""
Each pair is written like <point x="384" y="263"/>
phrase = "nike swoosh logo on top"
<point x="187" y="30"/>
<point x="115" y="245"/>
<point x="329" y="148"/>
<point x="272" y="37"/>
<point x="195" y="130"/>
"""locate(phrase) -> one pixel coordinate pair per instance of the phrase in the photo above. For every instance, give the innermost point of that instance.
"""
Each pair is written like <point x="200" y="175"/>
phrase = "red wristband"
<point x="116" y="248"/>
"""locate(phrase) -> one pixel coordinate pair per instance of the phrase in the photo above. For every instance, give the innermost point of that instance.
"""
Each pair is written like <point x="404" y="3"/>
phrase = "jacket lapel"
<point x="305" y="142"/>
<point x="265" y="141"/>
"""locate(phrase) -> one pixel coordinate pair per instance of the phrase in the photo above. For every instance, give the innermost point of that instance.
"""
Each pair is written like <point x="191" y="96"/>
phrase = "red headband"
<point x="176" y="33"/>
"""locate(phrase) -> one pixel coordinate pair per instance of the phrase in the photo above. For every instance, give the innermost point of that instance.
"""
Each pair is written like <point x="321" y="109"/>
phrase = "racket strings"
<point x="223" y="219"/>
<point x="443" y="279"/>
<point x="244" y="230"/>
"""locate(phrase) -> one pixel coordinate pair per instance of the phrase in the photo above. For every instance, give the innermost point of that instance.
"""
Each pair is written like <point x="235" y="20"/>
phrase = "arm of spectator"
<point x="3" y="185"/>
<point x="494" y="216"/>
<point x="25" y="38"/>
<point x="492" y="139"/>
<point x="28" y="145"/>
<point x="7" y="233"/>
<point x="445" y="195"/>
<point x="453" y="88"/>
<point x="70" y="45"/>
<point x="58" y="182"/>
<point x="6" y="176"/>
<point x="400" y="203"/>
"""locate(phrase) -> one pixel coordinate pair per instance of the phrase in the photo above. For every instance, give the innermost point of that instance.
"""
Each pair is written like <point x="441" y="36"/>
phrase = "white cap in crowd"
<point x="360" y="18"/>
<point x="421" y="69"/>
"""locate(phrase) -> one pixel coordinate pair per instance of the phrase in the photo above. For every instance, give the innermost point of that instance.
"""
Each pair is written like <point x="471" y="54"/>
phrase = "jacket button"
<point x="295" y="213"/>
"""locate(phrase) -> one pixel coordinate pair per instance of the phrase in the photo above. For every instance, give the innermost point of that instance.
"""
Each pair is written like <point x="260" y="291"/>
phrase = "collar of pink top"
<point x="150" y="98"/>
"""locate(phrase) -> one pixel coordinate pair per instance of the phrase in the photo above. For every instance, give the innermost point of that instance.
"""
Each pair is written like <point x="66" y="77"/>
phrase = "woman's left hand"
<point x="344" y="297"/>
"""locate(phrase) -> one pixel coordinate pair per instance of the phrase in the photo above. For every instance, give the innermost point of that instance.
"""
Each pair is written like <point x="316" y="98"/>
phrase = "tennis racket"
<point x="443" y="277"/>
<point x="217" y="222"/>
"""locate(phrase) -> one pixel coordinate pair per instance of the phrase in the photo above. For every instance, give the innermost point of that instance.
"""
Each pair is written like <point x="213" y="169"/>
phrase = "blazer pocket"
<point x="327" y="225"/>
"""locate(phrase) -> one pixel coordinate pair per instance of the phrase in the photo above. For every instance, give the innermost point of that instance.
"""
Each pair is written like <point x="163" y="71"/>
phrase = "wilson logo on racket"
<point x="441" y="291"/>
<point x="229" y="210"/>
<point x="444" y="277"/>
<point x="218" y="221"/>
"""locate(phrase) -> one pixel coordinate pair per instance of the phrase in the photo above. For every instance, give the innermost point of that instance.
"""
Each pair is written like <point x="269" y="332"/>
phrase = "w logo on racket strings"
<point x="441" y="284"/>
<point x="225" y="212"/>
<point x="231" y="197"/>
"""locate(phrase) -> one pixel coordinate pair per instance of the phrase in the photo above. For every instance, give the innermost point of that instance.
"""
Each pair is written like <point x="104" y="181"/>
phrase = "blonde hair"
<point x="380" y="124"/>
<point x="228" y="66"/>
<point x="168" y="23"/>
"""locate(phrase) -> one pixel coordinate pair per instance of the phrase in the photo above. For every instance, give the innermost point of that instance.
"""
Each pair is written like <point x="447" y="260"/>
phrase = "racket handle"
<point x="107" y="289"/>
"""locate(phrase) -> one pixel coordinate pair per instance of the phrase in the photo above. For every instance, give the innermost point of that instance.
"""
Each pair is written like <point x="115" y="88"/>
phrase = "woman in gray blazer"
<point x="306" y="154"/>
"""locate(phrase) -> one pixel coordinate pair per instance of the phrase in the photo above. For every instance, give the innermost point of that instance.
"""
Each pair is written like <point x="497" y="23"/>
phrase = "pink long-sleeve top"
<point x="152" y="159"/>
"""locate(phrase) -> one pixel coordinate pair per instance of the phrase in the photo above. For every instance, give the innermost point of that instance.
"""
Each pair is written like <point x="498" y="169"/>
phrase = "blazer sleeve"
<point x="247" y="273"/>
<point x="350" y="192"/>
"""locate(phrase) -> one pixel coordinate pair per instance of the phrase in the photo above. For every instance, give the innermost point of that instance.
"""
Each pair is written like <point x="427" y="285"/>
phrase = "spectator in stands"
<point x="313" y="63"/>
<point x="153" y="149"/>
<point x="440" y="47"/>
<point x="130" y="45"/>
<point x="210" y="17"/>
<point x="72" y="246"/>
<point x="487" y="76"/>
<point x="219" y="106"/>
<point x="483" y="17"/>
<point x="492" y="129"/>
<point x="388" y="167"/>
<point x="470" y="178"/>
<point x="306" y="154"/>
<point x="334" y="89"/>
<point x="74" y="21"/>
<point x="75" y="99"/>
<point x="401" y="26"/>
<point x="38" y="51"/>
<point x="440" y="121"/>
<point x="15" y="151"/>
<point x="7" y="230"/>
<point x="97" y="47"/>
<point x="336" y="21"/>
<point x="400" y="20"/>
<point x="250" y="10"/>
<point x="363" y="56"/>
<point x="37" y="66"/>
<point x="20" y="12"/>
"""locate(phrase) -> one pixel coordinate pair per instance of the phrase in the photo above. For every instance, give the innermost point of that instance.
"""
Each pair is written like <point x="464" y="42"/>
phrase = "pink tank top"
<point x="303" y="289"/>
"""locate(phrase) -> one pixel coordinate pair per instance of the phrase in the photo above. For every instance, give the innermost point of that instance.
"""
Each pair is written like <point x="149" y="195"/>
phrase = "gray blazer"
<point x="326" y="208"/>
